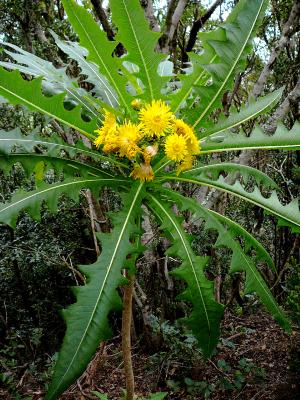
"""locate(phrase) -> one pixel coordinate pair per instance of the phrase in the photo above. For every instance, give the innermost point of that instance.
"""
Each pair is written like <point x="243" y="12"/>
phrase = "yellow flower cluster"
<point x="156" y="127"/>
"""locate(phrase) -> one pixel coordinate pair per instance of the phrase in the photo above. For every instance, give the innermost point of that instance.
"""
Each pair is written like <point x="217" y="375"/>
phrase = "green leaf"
<point x="282" y="139"/>
<point x="134" y="33"/>
<point x="54" y="146"/>
<point x="241" y="261"/>
<point x="31" y="201"/>
<point x="102" y="88"/>
<point x="29" y="93"/>
<point x="207" y="313"/>
<point x="251" y="110"/>
<point x="99" y="47"/>
<point x="40" y="164"/>
<point x="224" y="55"/>
<point x="233" y="170"/>
<point x="156" y="396"/>
<point x="288" y="214"/>
<point x="101" y="396"/>
<point x="87" y="322"/>
<point x="55" y="80"/>
<point x="236" y="231"/>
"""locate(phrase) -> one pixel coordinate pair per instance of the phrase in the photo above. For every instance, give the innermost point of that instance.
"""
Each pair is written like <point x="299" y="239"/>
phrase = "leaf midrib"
<point x="140" y="51"/>
<point x="55" y="186"/>
<point x="227" y="190"/>
<point x="100" y="59"/>
<point x="189" y="258"/>
<point x="104" y="282"/>
<point x="231" y="70"/>
<point x="47" y="112"/>
<point x="101" y="157"/>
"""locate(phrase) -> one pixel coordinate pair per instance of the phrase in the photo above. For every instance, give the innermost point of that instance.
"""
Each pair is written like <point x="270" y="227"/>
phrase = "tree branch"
<point x="292" y="98"/>
<point x="148" y="7"/>
<point x="172" y="19"/>
<point x="246" y="155"/>
<point x="198" y="24"/>
<point x="287" y="32"/>
<point x="100" y="13"/>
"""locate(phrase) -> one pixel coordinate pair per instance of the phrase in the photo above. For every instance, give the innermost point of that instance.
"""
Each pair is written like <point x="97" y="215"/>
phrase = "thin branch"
<point x="198" y="24"/>
<point x="293" y="98"/>
<point x="100" y="13"/>
<point x="287" y="31"/>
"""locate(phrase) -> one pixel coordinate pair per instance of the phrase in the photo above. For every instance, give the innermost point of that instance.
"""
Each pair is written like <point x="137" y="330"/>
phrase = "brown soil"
<point x="256" y="338"/>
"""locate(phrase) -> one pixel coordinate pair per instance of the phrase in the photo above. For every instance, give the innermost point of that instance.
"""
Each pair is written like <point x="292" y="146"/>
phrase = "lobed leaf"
<point x="207" y="313"/>
<point x="55" y="80"/>
<point x="100" y="49"/>
<point x="87" y="319"/>
<point x="282" y="139"/>
<point x="289" y="214"/>
<point x="232" y="170"/>
<point x="240" y="261"/>
<point x="224" y="54"/>
<point x="29" y="93"/>
<point x="13" y="141"/>
<point x="31" y="201"/>
<point x="102" y="88"/>
<point x="140" y="42"/>
<point x="251" y="110"/>
<point x="62" y="166"/>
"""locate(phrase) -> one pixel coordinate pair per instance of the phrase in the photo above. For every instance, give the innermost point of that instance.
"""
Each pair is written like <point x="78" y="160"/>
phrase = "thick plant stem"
<point x="126" y="338"/>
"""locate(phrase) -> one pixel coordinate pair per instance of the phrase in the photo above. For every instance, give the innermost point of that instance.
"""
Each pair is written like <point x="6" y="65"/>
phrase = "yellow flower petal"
<point x="176" y="147"/>
<point x="181" y="128"/>
<point x="155" y="118"/>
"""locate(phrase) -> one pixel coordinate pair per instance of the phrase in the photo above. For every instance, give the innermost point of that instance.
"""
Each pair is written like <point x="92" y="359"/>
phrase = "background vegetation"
<point x="254" y="359"/>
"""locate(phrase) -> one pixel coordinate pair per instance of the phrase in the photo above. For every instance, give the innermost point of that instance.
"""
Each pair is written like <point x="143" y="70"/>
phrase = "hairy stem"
<point x="126" y="337"/>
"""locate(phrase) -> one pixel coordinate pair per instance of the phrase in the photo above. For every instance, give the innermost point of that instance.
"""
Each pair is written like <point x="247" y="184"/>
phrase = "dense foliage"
<point x="145" y="120"/>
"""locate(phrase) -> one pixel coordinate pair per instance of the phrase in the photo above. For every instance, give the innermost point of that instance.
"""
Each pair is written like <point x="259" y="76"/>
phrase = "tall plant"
<point x="145" y="135"/>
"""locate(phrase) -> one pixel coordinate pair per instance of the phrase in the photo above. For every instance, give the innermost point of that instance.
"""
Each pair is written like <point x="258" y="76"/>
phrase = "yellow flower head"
<point x="109" y="128"/>
<point x="111" y="143"/>
<point x="181" y="128"/>
<point x="129" y="135"/>
<point x="143" y="172"/>
<point x="100" y="138"/>
<point x="176" y="147"/>
<point x="187" y="163"/>
<point x="156" y="118"/>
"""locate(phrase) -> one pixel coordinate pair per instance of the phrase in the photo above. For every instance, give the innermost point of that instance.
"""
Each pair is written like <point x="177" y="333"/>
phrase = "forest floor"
<point x="255" y="360"/>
